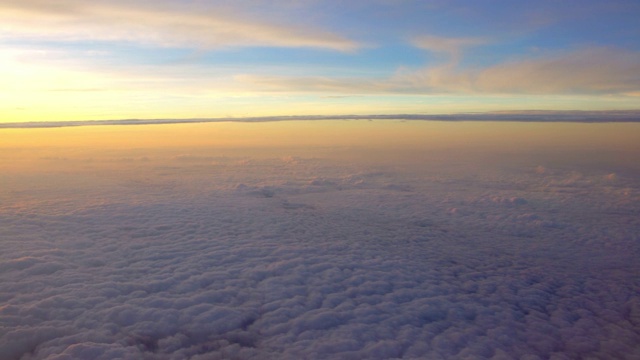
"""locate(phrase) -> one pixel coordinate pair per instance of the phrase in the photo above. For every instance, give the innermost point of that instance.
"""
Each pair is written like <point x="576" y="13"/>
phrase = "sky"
<point x="78" y="60"/>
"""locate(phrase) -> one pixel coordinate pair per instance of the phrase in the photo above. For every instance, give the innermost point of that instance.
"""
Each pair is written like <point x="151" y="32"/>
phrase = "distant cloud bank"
<point x="519" y="116"/>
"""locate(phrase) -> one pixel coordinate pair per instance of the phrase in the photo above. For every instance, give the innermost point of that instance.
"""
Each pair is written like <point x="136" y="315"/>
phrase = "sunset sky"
<point x="91" y="60"/>
<point x="319" y="179"/>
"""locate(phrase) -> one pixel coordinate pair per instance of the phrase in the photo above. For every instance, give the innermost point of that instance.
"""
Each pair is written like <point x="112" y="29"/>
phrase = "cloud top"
<point x="312" y="254"/>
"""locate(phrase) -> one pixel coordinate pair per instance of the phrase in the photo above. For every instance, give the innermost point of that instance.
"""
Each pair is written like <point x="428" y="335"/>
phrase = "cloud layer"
<point x="318" y="253"/>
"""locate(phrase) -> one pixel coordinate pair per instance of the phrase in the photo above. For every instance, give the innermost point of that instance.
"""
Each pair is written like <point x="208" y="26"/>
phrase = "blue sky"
<point x="73" y="60"/>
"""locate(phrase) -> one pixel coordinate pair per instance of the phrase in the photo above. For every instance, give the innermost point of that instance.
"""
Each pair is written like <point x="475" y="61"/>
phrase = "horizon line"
<point x="574" y="116"/>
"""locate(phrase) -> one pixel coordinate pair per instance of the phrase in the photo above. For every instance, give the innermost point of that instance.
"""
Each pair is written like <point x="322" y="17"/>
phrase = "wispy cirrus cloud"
<point x="595" y="70"/>
<point x="586" y="71"/>
<point x="159" y="24"/>
<point x="601" y="70"/>
<point x="312" y="84"/>
<point x="452" y="46"/>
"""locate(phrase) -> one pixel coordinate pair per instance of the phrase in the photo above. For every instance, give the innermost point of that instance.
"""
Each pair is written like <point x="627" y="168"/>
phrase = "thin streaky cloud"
<point x="312" y="84"/>
<point x="160" y="25"/>
<point x="447" y="45"/>
<point x="587" y="71"/>
<point x="598" y="70"/>
<point x="590" y="70"/>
